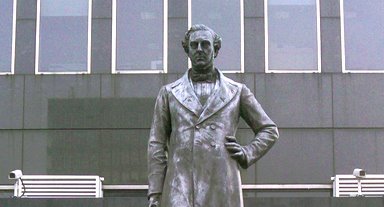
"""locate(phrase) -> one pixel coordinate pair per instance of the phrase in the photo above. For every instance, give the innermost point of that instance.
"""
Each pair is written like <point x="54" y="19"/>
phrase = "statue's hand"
<point x="235" y="150"/>
<point x="154" y="200"/>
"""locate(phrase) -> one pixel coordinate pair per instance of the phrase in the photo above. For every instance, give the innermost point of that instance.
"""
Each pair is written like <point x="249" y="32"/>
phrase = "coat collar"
<point x="184" y="93"/>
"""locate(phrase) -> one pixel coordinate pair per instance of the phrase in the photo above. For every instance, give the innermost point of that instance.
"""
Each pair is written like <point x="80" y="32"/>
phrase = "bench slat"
<point x="59" y="186"/>
<point x="57" y="182"/>
<point x="58" y="194"/>
<point x="61" y="177"/>
<point x="61" y="190"/>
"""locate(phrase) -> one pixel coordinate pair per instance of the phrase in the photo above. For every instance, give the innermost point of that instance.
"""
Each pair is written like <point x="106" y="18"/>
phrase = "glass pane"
<point x="364" y="34"/>
<point x="292" y="35"/>
<point x="6" y="17"/>
<point x="63" y="36"/>
<point x="223" y="16"/>
<point x="139" y="35"/>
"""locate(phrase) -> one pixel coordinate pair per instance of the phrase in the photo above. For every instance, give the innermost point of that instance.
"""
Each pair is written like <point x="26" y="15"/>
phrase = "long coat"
<point x="187" y="160"/>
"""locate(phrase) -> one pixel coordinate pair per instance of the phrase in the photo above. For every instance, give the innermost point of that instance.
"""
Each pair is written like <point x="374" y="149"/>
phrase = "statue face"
<point x="201" y="50"/>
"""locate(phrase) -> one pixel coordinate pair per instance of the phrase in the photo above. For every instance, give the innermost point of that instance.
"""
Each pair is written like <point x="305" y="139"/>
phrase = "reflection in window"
<point x="292" y="37"/>
<point x="364" y="35"/>
<point x="63" y="36"/>
<point x="6" y="33"/>
<point x="138" y="36"/>
<point x="225" y="17"/>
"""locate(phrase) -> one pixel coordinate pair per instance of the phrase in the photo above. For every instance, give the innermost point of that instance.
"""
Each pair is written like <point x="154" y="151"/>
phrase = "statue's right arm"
<point x="157" y="144"/>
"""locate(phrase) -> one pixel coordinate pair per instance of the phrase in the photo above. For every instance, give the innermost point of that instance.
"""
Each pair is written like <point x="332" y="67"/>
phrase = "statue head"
<point x="202" y="45"/>
<point x="202" y="27"/>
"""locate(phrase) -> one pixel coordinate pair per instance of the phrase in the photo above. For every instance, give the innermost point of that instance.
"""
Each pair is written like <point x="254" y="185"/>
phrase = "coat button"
<point x="213" y="127"/>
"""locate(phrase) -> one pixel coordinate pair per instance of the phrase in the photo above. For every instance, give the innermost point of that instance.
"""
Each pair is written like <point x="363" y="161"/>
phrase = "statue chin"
<point x="202" y="68"/>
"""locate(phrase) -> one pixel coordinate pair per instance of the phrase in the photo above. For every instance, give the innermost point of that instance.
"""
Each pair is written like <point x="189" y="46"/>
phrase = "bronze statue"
<point x="193" y="154"/>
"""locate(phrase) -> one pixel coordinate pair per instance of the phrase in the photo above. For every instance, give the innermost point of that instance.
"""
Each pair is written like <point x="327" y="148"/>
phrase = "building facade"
<point x="79" y="80"/>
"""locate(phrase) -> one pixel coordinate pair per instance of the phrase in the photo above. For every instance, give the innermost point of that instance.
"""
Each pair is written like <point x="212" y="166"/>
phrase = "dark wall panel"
<point x="117" y="155"/>
<point x="296" y="100"/>
<point x="40" y="90"/>
<point x="75" y="113"/>
<point x="246" y="78"/>
<point x="249" y="80"/>
<point x="299" y="156"/>
<point x="244" y="137"/>
<point x="124" y="156"/>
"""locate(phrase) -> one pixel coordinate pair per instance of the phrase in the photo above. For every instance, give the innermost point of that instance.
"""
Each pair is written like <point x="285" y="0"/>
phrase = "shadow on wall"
<point x="107" y="137"/>
<point x="94" y="113"/>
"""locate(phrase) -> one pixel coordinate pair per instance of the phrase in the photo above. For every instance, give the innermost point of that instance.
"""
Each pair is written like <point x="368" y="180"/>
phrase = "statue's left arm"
<point x="265" y="129"/>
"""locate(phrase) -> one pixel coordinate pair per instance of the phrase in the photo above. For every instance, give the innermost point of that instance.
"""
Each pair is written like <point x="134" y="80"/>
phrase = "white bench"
<point x="59" y="186"/>
<point x="371" y="185"/>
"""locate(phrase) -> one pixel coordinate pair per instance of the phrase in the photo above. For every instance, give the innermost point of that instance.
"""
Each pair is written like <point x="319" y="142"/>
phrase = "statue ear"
<point x="216" y="52"/>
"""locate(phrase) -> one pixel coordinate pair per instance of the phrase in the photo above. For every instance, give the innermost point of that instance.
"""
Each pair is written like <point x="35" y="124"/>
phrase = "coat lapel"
<point x="184" y="93"/>
<point x="221" y="96"/>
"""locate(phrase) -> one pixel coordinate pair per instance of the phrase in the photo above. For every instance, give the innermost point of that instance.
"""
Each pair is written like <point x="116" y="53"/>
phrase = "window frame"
<point x="89" y="44"/>
<point x="13" y="41"/>
<point x="114" y="44"/>
<point x="241" y="69"/>
<point x="343" y="63"/>
<point x="318" y="38"/>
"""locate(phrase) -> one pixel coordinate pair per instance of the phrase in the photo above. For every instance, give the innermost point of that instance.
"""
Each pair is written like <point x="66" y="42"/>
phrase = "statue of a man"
<point x="193" y="154"/>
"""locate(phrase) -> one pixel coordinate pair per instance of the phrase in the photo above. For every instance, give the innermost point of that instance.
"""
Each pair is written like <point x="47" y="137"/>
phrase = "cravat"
<point x="206" y="77"/>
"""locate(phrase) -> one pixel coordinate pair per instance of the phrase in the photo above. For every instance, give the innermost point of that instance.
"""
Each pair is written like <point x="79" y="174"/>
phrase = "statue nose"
<point x="199" y="48"/>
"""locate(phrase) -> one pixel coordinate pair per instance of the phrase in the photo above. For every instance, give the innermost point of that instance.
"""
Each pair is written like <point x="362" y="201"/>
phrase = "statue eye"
<point x="205" y="44"/>
<point x="193" y="45"/>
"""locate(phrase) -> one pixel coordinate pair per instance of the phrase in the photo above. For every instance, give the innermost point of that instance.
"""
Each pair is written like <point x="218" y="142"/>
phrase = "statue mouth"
<point x="200" y="57"/>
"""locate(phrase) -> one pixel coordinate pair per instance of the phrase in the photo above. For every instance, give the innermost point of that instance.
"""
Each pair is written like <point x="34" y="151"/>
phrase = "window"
<point x="139" y="37"/>
<point x="292" y="36"/>
<point x="226" y="18"/>
<point x="7" y="35"/>
<point x="362" y="29"/>
<point x="63" y="40"/>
